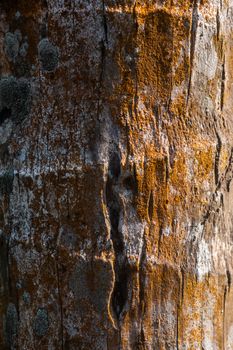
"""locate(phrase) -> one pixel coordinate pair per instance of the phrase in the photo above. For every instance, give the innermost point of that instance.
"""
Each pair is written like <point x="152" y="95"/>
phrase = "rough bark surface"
<point x="116" y="153"/>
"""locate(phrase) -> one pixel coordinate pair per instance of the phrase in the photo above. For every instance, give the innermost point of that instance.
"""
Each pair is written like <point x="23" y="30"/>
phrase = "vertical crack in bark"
<point x="217" y="157"/>
<point x="105" y="23"/>
<point x="120" y="290"/>
<point x="228" y="279"/>
<point x="151" y="206"/>
<point x="193" y="35"/>
<point x="223" y="84"/>
<point x="182" y="284"/>
<point x="160" y="240"/>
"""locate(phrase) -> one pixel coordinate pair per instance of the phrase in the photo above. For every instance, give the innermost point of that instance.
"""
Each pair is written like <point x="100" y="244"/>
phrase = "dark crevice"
<point x="182" y="284"/>
<point x="4" y="154"/>
<point x="160" y="239"/>
<point x="162" y="170"/>
<point x="115" y="166"/>
<point x="151" y="206"/>
<point x="121" y="269"/>
<point x="114" y="217"/>
<point x="120" y="292"/>
<point x="217" y="158"/>
<point x="228" y="184"/>
<point x="6" y="182"/>
<point x="228" y="279"/>
<point x="167" y="169"/>
<point x="223" y="84"/>
<point x="105" y="23"/>
<point x="218" y="24"/>
<point x="67" y="345"/>
<point x="5" y="114"/>
<point x="130" y="183"/>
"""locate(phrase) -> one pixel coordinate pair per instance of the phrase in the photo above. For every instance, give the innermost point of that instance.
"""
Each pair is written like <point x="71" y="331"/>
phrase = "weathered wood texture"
<point x="115" y="174"/>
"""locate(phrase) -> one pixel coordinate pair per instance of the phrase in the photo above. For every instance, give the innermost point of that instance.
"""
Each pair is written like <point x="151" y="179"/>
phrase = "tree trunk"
<point x="116" y="153"/>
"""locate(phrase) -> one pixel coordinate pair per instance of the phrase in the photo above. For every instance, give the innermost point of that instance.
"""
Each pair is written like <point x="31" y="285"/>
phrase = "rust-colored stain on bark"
<point x="115" y="175"/>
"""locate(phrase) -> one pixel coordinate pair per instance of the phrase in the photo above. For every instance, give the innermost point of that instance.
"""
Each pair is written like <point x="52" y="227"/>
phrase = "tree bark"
<point x="116" y="153"/>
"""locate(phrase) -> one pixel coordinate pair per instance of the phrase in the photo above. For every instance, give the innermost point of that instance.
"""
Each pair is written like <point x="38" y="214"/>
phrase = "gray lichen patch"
<point x="18" y="35"/>
<point x="14" y="98"/>
<point x="24" y="49"/>
<point x="15" y="46"/>
<point x="11" y="44"/>
<point x="11" y="326"/>
<point x="17" y="15"/>
<point x="48" y="55"/>
<point x="41" y="322"/>
<point x="26" y="297"/>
